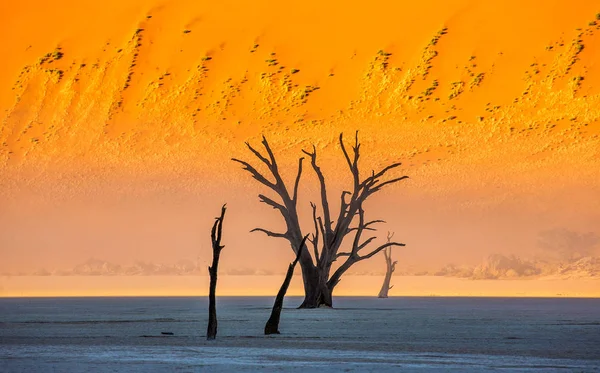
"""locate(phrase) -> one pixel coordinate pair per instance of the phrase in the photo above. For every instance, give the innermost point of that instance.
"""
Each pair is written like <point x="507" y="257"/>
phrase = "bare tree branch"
<point x="356" y="150"/>
<point x="259" y="156"/>
<point x="379" y="186"/>
<point x="342" y="254"/>
<point x="278" y="186"/>
<point x="217" y="229"/>
<point x="255" y="174"/>
<point x="389" y="244"/>
<point x="361" y="224"/>
<point x="324" y="202"/>
<point x="315" y="240"/>
<point x="272" y="203"/>
<point x="366" y="226"/>
<point x="270" y="233"/>
<point x="270" y="152"/>
<point x="346" y="153"/>
<point x="353" y="164"/>
<point x="343" y="207"/>
<point x="381" y="173"/>
<point x="364" y="244"/>
<point x="297" y="182"/>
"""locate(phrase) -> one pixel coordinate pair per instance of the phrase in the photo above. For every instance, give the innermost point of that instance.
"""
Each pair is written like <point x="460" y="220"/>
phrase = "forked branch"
<point x="255" y="174"/>
<point x="353" y="164"/>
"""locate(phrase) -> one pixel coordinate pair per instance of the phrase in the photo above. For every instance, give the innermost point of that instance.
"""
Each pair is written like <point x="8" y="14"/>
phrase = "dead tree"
<point x="330" y="228"/>
<point x="272" y="326"/>
<point x="390" y="268"/>
<point x="215" y="235"/>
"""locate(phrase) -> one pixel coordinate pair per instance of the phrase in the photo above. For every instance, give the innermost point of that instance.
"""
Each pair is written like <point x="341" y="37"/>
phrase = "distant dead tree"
<point x="272" y="326"/>
<point x="215" y="235"/>
<point x="390" y="268"/>
<point x="330" y="228"/>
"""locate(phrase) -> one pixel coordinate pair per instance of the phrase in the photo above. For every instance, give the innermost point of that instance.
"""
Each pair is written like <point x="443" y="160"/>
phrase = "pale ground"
<point x="17" y="286"/>
<point x="360" y="335"/>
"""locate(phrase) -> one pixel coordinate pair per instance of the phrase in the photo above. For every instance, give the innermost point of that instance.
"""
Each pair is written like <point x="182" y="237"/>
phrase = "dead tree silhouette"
<point x="390" y="268"/>
<point x="330" y="228"/>
<point x="215" y="236"/>
<point x="272" y="326"/>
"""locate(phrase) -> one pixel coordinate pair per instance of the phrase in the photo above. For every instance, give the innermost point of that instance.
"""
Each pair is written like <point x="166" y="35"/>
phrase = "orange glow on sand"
<point x="119" y="119"/>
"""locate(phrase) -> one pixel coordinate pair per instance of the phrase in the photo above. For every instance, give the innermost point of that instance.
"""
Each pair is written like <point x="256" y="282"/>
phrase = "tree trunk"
<point x="390" y="268"/>
<point x="272" y="326"/>
<point x="316" y="292"/>
<point x="211" y="331"/>
<point x="310" y="277"/>
<point x="383" y="293"/>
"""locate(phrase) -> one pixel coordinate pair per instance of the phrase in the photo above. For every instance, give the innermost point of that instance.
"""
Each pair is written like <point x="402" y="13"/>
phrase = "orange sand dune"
<point x="152" y="78"/>
<point x="119" y="118"/>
